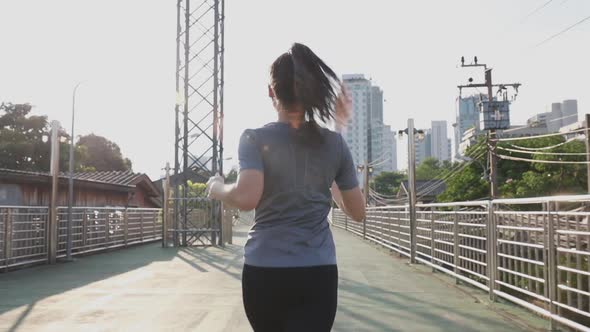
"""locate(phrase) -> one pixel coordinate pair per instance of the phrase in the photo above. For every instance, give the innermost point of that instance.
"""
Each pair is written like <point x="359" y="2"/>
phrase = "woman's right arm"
<point x="350" y="202"/>
<point x="345" y="189"/>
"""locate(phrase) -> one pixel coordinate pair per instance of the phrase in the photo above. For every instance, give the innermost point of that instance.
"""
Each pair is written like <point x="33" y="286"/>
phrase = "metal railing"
<point x="534" y="252"/>
<point x="24" y="238"/>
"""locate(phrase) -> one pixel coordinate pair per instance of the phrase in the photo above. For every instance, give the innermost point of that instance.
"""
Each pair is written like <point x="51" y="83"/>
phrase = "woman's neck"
<point x="294" y="118"/>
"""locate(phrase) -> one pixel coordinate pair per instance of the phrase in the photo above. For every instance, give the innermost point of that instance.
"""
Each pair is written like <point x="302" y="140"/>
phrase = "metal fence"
<point x="533" y="252"/>
<point x="24" y="237"/>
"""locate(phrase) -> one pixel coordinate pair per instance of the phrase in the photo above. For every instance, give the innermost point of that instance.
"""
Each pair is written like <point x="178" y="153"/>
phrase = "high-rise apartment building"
<point x="368" y="138"/>
<point x="467" y="117"/>
<point x="439" y="141"/>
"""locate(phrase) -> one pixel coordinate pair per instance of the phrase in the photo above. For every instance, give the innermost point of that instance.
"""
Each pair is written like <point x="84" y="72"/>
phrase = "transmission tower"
<point x="198" y="115"/>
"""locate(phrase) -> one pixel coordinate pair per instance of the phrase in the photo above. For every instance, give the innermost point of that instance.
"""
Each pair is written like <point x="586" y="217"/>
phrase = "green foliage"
<point x="525" y="179"/>
<point x="196" y="189"/>
<point x="21" y="139"/>
<point x="522" y="178"/>
<point x="387" y="183"/>
<point x="102" y="154"/>
<point x="232" y="176"/>
<point x="432" y="168"/>
<point x="25" y="145"/>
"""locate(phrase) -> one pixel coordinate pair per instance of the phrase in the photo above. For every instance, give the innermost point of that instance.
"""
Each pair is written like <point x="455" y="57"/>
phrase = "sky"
<point x="124" y="53"/>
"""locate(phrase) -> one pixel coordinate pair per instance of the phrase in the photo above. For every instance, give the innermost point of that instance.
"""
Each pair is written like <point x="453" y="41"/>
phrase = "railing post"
<point x="7" y="237"/>
<point x="154" y="236"/>
<point x="84" y="229"/>
<point x="432" y="238"/>
<point x="365" y="228"/>
<point x="126" y="226"/>
<point x="345" y="221"/>
<point x="456" y="259"/>
<point x="107" y="227"/>
<point x="491" y="261"/>
<point x="551" y="264"/>
<point x="399" y="233"/>
<point x="141" y="226"/>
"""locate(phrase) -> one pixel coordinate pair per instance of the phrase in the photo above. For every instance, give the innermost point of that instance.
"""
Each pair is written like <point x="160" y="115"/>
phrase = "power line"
<point x="450" y="174"/>
<point x="544" y="153"/>
<point x="538" y="9"/>
<point x="546" y="147"/>
<point x="541" y="161"/>
<point x="546" y="122"/>
<point x="563" y="31"/>
<point x="537" y="136"/>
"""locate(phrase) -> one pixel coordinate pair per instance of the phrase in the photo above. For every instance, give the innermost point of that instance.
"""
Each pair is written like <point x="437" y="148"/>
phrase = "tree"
<point x="101" y="154"/>
<point x="22" y="138"/>
<point x="232" y="176"/>
<point x="467" y="182"/>
<point x="432" y="168"/>
<point x="387" y="183"/>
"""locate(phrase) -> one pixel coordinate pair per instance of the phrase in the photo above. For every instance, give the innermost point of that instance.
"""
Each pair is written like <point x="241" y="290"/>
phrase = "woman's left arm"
<point x="244" y="194"/>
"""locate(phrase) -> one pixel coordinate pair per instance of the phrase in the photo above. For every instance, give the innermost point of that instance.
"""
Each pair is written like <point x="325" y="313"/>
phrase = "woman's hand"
<point x="215" y="187"/>
<point x="343" y="109"/>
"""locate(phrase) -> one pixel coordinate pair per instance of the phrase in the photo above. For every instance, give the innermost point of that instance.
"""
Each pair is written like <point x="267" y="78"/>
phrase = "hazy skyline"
<point x="124" y="51"/>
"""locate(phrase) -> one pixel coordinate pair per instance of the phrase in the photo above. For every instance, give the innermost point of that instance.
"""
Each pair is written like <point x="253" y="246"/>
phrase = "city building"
<point x="368" y="138"/>
<point x="439" y="142"/>
<point x="467" y="117"/>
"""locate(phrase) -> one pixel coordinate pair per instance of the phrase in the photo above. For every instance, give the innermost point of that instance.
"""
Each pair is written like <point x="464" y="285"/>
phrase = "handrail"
<point x="535" y="259"/>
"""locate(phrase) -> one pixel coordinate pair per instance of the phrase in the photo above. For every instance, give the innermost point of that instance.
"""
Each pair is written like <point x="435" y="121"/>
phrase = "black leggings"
<point x="290" y="299"/>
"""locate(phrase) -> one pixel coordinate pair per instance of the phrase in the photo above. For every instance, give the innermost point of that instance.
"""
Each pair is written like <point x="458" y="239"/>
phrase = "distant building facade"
<point x="368" y="138"/>
<point x="467" y="117"/>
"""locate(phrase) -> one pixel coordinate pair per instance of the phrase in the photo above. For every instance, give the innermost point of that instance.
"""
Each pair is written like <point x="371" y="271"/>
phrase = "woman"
<point x="290" y="171"/>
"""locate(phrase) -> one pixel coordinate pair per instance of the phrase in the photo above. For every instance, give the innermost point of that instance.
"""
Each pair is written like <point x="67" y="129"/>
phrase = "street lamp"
<point x="71" y="177"/>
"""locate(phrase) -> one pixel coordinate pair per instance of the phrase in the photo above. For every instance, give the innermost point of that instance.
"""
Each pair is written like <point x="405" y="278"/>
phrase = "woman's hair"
<point x="299" y="77"/>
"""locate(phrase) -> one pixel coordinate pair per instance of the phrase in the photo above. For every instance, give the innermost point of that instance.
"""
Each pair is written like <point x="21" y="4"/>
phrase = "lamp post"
<point x="71" y="178"/>
<point x="412" y="134"/>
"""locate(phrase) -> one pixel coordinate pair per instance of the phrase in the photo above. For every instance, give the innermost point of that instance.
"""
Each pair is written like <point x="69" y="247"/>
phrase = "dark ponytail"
<point x="301" y="77"/>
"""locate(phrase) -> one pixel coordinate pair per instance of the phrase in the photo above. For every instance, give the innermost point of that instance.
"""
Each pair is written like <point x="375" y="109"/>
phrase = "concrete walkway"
<point x="149" y="288"/>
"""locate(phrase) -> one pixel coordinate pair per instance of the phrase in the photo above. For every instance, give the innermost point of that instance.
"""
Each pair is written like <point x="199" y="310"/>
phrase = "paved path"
<point x="149" y="288"/>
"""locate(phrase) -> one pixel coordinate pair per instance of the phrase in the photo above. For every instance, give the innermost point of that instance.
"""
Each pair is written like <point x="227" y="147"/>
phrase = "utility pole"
<point x="412" y="132"/>
<point x="588" y="148"/>
<point x="412" y="185"/>
<point x="54" y="170"/>
<point x="491" y="142"/>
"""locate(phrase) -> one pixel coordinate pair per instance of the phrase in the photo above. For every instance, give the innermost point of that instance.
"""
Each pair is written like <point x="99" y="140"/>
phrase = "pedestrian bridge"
<point x="502" y="265"/>
<point x="150" y="288"/>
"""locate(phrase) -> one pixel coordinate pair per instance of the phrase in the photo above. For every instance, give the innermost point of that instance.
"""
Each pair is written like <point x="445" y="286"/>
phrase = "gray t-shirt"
<point x="291" y="227"/>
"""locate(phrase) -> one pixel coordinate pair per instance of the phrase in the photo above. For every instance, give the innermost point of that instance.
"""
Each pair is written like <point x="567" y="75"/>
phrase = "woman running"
<point x="290" y="171"/>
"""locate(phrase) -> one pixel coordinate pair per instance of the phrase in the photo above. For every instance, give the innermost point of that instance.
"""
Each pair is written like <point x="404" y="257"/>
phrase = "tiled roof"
<point x="125" y="178"/>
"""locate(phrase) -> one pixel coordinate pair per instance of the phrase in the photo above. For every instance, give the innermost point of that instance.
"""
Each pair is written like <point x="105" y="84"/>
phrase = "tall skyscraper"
<point x="368" y="138"/>
<point x="357" y="133"/>
<point x="467" y="117"/>
<point x="439" y="141"/>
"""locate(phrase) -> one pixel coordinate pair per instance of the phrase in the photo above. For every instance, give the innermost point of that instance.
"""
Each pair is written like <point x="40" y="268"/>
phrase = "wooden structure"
<point x="97" y="189"/>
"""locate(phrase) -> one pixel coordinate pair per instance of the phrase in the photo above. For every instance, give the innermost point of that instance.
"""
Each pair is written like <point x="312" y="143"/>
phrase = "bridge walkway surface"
<point x="149" y="288"/>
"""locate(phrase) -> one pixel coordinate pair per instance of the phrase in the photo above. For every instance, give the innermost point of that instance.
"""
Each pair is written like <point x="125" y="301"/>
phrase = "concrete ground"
<point x="148" y="288"/>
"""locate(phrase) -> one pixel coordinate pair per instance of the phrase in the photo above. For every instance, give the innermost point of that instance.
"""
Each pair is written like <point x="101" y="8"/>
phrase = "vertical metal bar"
<point x="141" y="226"/>
<point x="53" y="224"/>
<point x="154" y="230"/>
<point x="185" y="169"/>
<point x="551" y="264"/>
<point x="107" y="228"/>
<point x="432" y="238"/>
<point x="165" y="209"/>
<point x="84" y="229"/>
<point x="345" y="221"/>
<point x="456" y="259"/>
<point x="365" y="227"/>
<point x="177" y="123"/>
<point x="126" y="226"/>
<point x="8" y="224"/>
<point x="491" y="261"/>
<point x="412" y="189"/>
